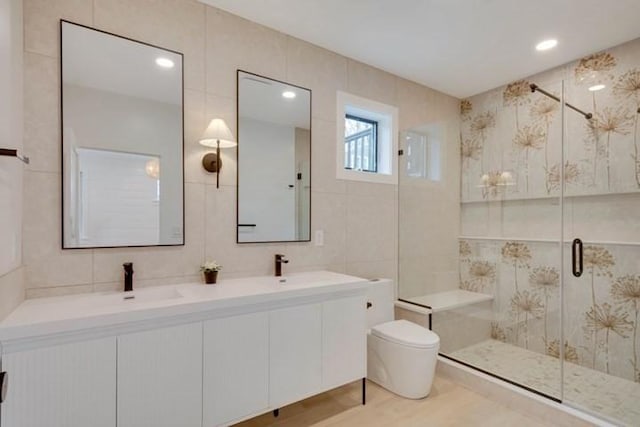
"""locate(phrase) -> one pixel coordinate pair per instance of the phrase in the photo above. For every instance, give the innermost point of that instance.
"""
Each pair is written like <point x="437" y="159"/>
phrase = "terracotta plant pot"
<point x="210" y="277"/>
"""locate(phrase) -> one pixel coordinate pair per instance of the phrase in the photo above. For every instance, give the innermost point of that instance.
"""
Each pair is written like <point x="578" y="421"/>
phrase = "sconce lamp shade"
<point x="218" y="131"/>
<point x="217" y="135"/>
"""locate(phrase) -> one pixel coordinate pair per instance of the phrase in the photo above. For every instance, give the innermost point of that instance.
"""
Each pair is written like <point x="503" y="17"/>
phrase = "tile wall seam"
<point x="45" y="55"/>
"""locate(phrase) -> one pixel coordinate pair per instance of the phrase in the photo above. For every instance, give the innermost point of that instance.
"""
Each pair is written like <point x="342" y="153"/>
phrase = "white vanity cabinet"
<point x="68" y="385"/>
<point x="261" y="361"/>
<point x="295" y="353"/>
<point x="236" y="368"/>
<point x="160" y="377"/>
<point x="207" y="358"/>
<point x="344" y="341"/>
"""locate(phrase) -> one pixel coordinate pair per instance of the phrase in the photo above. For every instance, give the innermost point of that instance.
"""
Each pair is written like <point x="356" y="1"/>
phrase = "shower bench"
<point x="458" y="316"/>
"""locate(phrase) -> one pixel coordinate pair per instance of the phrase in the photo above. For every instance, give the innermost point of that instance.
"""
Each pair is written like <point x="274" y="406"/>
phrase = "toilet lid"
<point x="406" y="333"/>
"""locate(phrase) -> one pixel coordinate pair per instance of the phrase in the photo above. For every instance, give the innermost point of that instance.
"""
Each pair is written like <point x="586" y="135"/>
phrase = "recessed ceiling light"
<point x="596" y="88"/>
<point x="289" y="94"/>
<point x="547" y="44"/>
<point x="164" y="62"/>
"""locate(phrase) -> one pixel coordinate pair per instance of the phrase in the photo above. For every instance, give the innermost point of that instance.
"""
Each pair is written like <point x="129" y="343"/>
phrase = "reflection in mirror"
<point x="274" y="160"/>
<point x="122" y="141"/>
<point x="422" y="153"/>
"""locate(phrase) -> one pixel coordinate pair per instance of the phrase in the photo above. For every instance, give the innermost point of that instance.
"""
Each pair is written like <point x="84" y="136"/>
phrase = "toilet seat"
<point x="406" y="333"/>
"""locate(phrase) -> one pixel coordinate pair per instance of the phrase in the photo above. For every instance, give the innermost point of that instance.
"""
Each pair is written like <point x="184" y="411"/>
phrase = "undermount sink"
<point x="140" y="296"/>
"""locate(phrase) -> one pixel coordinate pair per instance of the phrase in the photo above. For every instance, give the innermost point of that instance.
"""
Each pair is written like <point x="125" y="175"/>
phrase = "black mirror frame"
<point x="62" y="244"/>
<point x="238" y="71"/>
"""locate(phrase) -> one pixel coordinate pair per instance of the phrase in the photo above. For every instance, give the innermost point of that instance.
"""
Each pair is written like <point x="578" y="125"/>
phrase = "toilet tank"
<point x="381" y="296"/>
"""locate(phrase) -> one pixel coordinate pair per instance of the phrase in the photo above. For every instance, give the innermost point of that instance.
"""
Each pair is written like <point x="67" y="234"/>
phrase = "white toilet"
<point x="401" y="355"/>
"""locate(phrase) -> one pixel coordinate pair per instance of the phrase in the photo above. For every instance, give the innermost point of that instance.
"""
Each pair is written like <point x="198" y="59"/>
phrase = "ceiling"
<point x="460" y="47"/>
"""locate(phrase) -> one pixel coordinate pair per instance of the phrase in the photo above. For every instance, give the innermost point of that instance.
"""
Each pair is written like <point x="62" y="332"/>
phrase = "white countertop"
<point x="46" y="316"/>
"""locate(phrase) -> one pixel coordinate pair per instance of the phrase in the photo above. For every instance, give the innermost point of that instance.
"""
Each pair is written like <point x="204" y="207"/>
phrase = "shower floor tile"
<point x="594" y="391"/>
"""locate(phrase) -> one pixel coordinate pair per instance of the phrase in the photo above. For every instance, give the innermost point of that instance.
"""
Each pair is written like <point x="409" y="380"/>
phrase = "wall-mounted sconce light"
<point x="217" y="135"/>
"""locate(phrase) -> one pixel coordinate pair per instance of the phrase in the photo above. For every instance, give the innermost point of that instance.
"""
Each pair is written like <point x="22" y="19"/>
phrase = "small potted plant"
<point x="210" y="270"/>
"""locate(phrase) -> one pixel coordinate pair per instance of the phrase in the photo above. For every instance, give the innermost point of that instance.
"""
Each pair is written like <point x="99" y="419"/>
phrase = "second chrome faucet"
<point x="280" y="259"/>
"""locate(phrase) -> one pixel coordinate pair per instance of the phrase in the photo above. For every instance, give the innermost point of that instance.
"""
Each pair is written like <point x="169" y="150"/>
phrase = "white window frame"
<point x="387" y="138"/>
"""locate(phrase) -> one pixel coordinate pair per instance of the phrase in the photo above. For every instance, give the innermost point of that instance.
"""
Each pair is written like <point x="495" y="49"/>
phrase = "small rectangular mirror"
<point x="274" y="160"/>
<point x="122" y="141"/>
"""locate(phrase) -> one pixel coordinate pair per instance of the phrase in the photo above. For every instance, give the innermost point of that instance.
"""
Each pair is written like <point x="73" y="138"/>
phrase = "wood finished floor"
<point x="449" y="404"/>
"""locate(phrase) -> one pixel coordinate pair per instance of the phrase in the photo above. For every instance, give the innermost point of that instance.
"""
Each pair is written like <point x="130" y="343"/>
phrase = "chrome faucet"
<point x="280" y="259"/>
<point x="128" y="276"/>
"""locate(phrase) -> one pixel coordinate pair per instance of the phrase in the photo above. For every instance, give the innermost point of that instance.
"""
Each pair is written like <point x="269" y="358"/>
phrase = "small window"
<point x="367" y="140"/>
<point x="360" y="144"/>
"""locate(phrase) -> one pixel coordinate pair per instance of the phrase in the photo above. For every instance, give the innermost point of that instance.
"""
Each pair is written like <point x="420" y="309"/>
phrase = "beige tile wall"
<point x="359" y="220"/>
<point x="11" y="291"/>
<point x="429" y="214"/>
<point x="11" y="170"/>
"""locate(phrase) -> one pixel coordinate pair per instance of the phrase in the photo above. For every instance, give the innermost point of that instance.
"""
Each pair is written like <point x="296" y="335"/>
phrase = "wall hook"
<point x="14" y="153"/>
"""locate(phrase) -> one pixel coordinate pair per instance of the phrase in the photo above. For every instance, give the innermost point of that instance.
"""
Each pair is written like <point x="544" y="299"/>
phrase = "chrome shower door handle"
<point x="577" y="266"/>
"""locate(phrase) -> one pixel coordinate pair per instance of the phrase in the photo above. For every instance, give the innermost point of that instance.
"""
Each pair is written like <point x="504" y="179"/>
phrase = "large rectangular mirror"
<point x="122" y="141"/>
<point x="274" y="160"/>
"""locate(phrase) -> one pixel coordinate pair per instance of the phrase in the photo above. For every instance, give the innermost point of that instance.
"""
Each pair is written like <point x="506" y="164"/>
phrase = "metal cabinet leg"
<point x="276" y="412"/>
<point x="364" y="391"/>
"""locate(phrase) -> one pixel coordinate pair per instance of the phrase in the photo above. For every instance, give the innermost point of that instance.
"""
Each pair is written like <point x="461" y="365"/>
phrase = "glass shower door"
<point x="510" y="248"/>
<point x="602" y="211"/>
<point x="499" y="309"/>
<point x="543" y="175"/>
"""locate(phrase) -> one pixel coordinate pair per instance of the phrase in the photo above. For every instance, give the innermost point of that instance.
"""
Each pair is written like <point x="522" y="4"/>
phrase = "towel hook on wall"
<point x="14" y="153"/>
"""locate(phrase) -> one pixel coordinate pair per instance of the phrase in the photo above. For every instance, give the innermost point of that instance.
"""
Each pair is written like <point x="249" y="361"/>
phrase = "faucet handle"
<point x="281" y="258"/>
